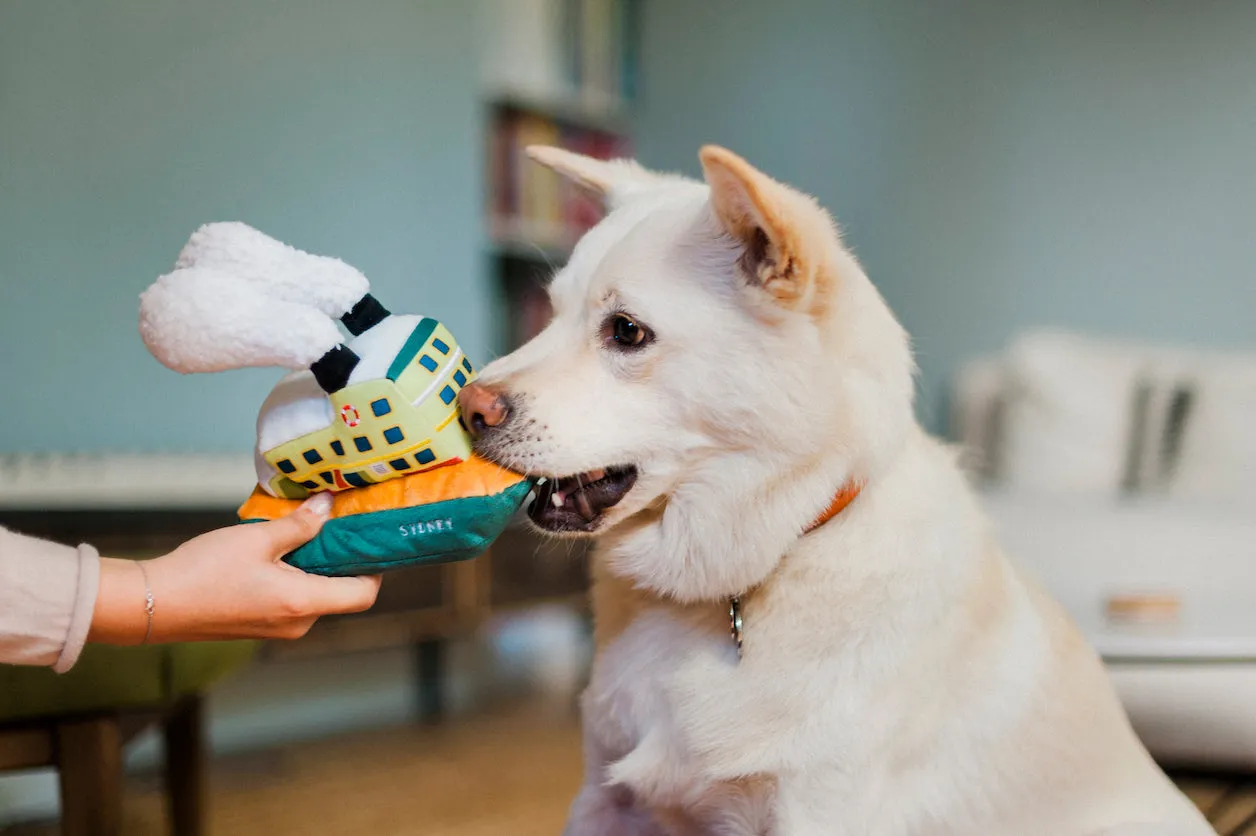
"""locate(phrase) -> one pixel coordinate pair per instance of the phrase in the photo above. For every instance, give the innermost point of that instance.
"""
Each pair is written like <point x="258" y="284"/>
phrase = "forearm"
<point x="225" y="584"/>
<point x="119" y="616"/>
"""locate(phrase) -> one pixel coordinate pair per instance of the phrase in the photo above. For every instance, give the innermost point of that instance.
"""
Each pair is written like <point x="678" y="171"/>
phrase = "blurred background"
<point x="1057" y="200"/>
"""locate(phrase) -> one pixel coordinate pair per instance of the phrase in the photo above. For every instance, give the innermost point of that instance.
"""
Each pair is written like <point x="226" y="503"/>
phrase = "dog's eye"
<point x="627" y="332"/>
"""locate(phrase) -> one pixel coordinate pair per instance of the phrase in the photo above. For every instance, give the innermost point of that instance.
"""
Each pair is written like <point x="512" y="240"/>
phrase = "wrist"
<point x="120" y="616"/>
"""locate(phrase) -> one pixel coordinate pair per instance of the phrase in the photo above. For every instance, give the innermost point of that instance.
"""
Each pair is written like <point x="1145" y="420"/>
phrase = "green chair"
<point x="79" y="721"/>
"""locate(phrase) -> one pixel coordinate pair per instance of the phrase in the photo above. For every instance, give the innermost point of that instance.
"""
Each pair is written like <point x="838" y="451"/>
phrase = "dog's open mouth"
<point x="574" y="503"/>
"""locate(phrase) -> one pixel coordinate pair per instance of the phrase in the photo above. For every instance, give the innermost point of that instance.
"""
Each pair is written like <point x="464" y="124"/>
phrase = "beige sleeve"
<point x="47" y="596"/>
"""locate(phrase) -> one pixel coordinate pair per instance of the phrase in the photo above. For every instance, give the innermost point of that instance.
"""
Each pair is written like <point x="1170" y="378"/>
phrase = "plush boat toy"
<point x="372" y="419"/>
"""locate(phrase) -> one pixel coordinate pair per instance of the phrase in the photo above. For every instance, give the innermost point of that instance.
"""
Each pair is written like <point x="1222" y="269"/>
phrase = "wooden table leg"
<point x="430" y="663"/>
<point x="185" y="767"/>
<point x="89" y="762"/>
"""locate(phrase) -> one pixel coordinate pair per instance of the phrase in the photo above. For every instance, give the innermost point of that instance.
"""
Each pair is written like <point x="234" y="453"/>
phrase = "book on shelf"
<point x="526" y="301"/>
<point x="530" y="205"/>
<point x="535" y="312"/>
<point x="558" y="72"/>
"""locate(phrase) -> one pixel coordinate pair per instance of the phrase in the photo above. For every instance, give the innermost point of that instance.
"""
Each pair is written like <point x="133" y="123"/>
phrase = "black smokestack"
<point x="365" y="314"/>
<point x="332" y="370"/>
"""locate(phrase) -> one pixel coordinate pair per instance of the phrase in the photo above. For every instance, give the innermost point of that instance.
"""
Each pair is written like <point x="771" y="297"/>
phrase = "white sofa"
<point x="1113" y="469"/>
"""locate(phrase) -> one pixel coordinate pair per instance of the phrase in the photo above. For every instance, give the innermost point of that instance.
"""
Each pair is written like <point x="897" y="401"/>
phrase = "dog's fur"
<point x="899" y="676"/>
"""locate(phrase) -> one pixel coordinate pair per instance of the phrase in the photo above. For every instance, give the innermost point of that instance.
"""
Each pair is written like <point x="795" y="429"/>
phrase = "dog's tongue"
<point x="572" y="488"/>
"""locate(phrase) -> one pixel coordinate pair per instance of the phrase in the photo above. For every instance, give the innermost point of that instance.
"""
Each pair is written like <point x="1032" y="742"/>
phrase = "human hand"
<point x="230" y="583"/>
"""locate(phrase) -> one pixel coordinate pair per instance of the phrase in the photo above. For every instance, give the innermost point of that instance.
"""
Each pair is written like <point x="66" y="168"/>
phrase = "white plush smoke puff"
<point x="199" y="320"/>
<point x="239" y="298"/>
<point x="276" y="269"/>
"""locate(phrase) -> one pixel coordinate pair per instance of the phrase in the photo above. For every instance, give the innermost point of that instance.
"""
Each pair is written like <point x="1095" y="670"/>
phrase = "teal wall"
<point x="350" y="129"/>
<point x="995" y="165"/>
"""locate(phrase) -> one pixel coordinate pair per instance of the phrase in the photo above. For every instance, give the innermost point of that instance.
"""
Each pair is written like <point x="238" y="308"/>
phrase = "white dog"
<point x="718" y="370"/>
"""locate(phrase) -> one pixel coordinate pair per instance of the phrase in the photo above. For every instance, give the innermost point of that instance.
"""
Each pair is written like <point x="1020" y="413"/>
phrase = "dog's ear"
<point x="765" y="216"/>
<point x="610" y="181"/>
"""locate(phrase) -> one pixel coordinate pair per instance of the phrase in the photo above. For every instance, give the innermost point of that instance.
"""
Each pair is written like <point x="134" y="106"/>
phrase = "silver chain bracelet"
<point x="149" y="603"/>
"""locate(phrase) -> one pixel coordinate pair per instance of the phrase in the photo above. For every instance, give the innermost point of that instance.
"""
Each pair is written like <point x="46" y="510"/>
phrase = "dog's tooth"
<point x="582" y="502"/>
<point x="557" y="499"/>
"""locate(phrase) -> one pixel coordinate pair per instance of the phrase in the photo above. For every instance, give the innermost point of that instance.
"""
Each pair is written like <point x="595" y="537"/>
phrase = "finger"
<point x="299" y="527"/>
<point x="335" y="596"/>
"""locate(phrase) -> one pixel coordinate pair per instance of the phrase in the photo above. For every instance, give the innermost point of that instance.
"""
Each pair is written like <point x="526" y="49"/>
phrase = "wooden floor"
<point x="506" y="771"/>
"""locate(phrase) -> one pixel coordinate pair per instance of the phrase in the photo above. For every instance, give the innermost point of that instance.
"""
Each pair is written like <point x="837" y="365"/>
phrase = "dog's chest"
<point x="636" y="708"/>
<point x="636" y="671"/>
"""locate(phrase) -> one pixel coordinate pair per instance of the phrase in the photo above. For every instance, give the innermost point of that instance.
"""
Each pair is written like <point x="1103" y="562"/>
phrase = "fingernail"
<point x="319" y="504"/>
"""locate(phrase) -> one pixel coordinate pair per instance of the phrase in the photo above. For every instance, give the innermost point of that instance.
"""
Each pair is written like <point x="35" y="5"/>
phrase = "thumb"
<point x="299" y="527"/>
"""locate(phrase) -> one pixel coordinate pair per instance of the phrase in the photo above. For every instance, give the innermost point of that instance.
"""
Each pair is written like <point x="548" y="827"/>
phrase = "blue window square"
<point x="425" y="456"/>
<point x="312" y="456"/>
<point x="460" y="378"/>
<point x="327" y="477"/>
<point x="286" y="466"/>
<point x="399" y="464"/>
<point x="427" y="363"/>
<point x="381" y="407"/>
<point x="447" y="395"/>
<point x="356" y="480"/>
<point x="440" y="346"/>
<point x="393" y="434"/>
<point x="337" y="448"/>
<point x="466" y="364"/>
<point x="311" y="484"/>
<point x="362" y="443"/>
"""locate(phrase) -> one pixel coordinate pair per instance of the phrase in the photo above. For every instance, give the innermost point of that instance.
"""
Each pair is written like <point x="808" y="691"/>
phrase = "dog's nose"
<point x="482" y="408"/>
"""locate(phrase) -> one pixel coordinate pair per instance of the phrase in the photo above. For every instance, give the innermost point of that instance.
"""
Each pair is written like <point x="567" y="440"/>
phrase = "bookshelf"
<point x="534" y="217"/>
<point x="555" y="72"/>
